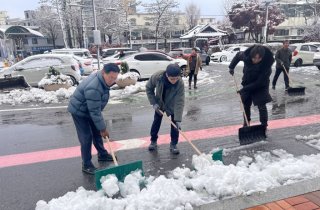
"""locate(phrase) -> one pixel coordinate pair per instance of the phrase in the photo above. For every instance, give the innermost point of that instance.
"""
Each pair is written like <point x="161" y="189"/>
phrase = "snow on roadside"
<point x="184" y="187"/>
<point x="307" y="70"/>
<point x="312" y="140"/>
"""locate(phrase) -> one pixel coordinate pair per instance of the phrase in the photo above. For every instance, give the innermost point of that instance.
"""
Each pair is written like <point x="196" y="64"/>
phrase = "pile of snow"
<point x="184" y="188"/>
<point x="35" y="95"/>
<point x="311" y="140"/>
<point x="131" y="75"/>
<point x="118" y="94"/>
<point x="55" y="79"/>
<point x="202" y="78"/>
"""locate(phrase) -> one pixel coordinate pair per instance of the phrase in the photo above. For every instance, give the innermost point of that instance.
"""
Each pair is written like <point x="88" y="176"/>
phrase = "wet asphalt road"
<point x="212" y="105"/>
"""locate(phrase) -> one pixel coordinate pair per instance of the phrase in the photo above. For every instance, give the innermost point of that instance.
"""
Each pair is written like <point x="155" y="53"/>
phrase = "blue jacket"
<point x="90" y="98"/>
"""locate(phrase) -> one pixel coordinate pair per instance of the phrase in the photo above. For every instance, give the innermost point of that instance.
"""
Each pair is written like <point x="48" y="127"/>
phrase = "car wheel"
<point x="207" y="61"/>
<point x="223" y="58"/>
<point x="136" y="71"/>
<point x="318" y="67"/>
<point x="298" y="63"/>
<point x="74" y="81"/>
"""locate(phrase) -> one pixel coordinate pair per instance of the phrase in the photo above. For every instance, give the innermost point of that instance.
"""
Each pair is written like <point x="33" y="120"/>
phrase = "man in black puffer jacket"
<point x="258" y="61"/>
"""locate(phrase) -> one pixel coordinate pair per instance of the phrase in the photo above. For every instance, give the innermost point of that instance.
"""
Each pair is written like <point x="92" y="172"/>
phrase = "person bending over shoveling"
<point x="86" y="105"/>
<point x="258" y="61"/>
<point x="165" y="91"/>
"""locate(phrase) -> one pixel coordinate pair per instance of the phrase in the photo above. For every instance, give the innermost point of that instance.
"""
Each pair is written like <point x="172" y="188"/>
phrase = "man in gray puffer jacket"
<point x="165" y="91"/>
<point x="86" y="106"/>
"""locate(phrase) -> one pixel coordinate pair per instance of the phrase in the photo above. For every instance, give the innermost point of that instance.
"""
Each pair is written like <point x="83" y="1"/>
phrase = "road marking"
<point x="36" y="108"/>
<point x="210" y="133"/>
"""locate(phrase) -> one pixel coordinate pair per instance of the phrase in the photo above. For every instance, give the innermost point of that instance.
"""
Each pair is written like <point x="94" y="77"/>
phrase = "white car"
<point x="34" y="68"/>
<point x="116" y="56"/>
<point x="86" y="64"/>
<point x="226" y="55"/>
<point x="302" y="53"/>
<point x="316" y="58"/>
<point x="147" y="63"/>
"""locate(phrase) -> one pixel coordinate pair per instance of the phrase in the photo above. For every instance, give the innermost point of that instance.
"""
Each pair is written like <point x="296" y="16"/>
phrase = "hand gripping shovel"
<point x="293" y="91"/>
<point x="120" y="171"/>
<point x="216" y="155"/>
<point x="249" y="134"/>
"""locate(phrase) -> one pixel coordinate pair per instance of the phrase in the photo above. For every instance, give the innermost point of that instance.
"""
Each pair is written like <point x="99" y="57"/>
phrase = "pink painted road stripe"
<point x="71" y="152"/>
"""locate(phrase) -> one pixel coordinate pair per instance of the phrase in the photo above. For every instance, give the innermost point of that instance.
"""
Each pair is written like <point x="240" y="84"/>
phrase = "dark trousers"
<point x="277" y="74"/>
<point x="88" y="133"/>
<point x="156" y="127"/>
<point x="263" y="112"/>
<point x="191" y="74"/>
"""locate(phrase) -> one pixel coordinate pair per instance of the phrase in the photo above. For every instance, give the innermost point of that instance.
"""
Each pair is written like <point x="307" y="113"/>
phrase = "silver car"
<point x="35" y="67"/>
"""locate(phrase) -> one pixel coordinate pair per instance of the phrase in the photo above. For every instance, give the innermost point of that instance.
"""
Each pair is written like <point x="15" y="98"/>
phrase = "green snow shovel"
<point x="120" y="171"/>
<point x="294" y="91"/>
<point x="249" y="134"/>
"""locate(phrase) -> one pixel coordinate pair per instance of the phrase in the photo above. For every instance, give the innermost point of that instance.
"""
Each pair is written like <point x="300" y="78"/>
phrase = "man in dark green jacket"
<point x="86" y="106"/>
<point x="283" y="58"/>
<point x="165" y="91"/>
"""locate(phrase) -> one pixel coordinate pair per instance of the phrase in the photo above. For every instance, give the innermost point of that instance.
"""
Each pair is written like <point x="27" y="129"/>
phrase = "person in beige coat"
<point x="193" y="66"/>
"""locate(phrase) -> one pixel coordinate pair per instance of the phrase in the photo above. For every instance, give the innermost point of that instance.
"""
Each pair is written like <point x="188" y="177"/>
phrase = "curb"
<point x="259" y="198"/>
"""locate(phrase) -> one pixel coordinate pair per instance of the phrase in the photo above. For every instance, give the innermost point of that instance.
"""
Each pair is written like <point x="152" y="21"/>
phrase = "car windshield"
<point x="292" y="48"/>
<point x="188" y="51"/>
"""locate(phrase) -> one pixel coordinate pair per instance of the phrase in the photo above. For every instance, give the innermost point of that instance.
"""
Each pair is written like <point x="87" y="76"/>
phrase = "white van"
<point x="80" y="52"/>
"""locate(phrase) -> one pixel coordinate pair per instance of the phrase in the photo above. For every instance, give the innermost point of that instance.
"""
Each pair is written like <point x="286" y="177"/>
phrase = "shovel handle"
<point x="241" y="103"/>
<point x="111" y="151"/>
<point x="285" y="70"/>
<point x="182" y="134"/>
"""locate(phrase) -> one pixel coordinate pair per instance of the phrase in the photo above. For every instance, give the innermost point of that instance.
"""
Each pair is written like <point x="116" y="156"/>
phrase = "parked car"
<point x="316" y="58"/>
<point x="227" y="55"/>
<point x="34" y="68"/>
<point x="80" y="52"/>
<point x="116" y="56"/>
<point x="302" y="54"/>
<point x="314" y="43"/>
<point x="147" y="63"/>
<point x="186" y="52"/>
<point x="111" y="51"/>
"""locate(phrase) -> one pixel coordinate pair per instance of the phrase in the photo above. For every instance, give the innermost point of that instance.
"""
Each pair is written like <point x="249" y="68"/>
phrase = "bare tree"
<point x="160" y="10"/>
<point x="47" y="19"/>
<point x="59" y="7"/>
<point x="192" y="14"/>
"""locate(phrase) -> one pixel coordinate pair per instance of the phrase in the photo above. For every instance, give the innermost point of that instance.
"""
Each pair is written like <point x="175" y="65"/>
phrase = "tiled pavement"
<point x="309" y="201"/>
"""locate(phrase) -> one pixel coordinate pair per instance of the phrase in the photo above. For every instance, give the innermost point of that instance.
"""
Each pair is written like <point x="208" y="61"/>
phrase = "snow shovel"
<point x="216" y="155"/>
<point x="8" y="82"/>
<point x="249" y="134"/>
<point x="294" y="91"/>
<point x="120" y="171"/>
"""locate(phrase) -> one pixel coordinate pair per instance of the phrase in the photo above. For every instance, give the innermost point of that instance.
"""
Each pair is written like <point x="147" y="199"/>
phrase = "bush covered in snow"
<point x="54" y="77"/>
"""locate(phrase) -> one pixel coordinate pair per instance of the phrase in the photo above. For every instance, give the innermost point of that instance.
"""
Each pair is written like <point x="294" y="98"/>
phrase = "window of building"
<point x="49" y="41"/>
<point x="176" y="21"/>
<point x="147" y="24"/>
<point x="25" y="41"/>
<point x="300" y="31"/>
<point x="281" y="32"/>
<point x="133" y="21"/>
<point x="27" y="15"/>
<point x="34" y="41"/>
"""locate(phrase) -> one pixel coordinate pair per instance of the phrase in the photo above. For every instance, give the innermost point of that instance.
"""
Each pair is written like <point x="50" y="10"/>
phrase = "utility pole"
<point x="266" y="24"/>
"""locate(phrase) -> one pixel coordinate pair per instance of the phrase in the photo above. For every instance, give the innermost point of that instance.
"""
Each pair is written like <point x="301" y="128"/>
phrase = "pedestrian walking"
<point x="193" y="66"/>
<point x="258" y="61"/>
<point x="165" y="91"/>
<point x="283" y="58"/>
<point x="86" y="106"/>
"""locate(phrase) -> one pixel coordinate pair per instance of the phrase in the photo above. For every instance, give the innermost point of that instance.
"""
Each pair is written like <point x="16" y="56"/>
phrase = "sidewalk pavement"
<point x="308" y="201"/>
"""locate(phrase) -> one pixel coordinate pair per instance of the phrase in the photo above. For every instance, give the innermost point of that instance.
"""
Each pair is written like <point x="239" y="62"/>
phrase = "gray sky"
<point x="15" y="8"/>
